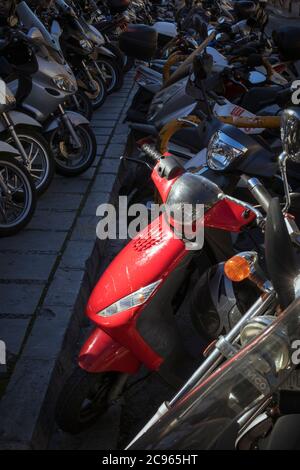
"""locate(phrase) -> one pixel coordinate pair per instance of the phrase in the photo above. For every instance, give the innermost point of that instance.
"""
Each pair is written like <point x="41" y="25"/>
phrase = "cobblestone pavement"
<point x="43" y="268"/>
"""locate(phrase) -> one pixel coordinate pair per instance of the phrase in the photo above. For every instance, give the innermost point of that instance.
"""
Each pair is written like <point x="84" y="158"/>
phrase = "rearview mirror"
<point x="35" y="33"/>
<point x="290" y="133"/>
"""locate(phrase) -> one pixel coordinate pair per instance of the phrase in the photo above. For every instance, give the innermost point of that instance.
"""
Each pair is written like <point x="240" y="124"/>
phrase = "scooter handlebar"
<point x="151" y="152"/>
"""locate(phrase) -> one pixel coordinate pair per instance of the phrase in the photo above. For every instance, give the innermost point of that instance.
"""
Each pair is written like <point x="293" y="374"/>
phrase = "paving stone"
<point x="76" y="255"/>
<point x="18" y="414"/>
<point x="121" y="129"/>
<point x="59" y="201"/>
<point x="102" y="139"/>
<point x="33" y="241"/>
<point x="103" y="122"/>
<point x="52" y="220"/>
<point x="12" y="332"/>
<point x="90" y="173"/>
<point x="69" y="185"/>
<point x="85" y="228"/>
<point x="104" y="182"/>
<point x="47" y="335"/>
<point x="26" y="267"/>
<point x="102" y="131"/>
<point x="93" y="201"/>
<point x="19" y="300"/>
<point x="119" y="138"/>
<point x="64" y="287"/>
<point x="115" y="150"/>
<point x="110" y="165"/>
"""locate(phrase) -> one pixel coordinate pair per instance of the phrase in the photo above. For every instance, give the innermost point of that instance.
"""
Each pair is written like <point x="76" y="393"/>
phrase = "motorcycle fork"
<point x="69" y="126"/>
<point x="12" y="131"/>
<point x="98" y="69"/>
<point x="89" y="76"/>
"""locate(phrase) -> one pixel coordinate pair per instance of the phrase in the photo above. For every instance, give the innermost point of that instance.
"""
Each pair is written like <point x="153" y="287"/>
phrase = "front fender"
<point x="106" y="52"/>
<point x="6" y="149"/>
<point x="75" y="118"/>
<point x="100" y="353"/>
<point x="19" y="118"/>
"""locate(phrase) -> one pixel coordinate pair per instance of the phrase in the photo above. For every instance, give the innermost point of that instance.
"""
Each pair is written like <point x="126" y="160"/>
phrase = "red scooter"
<point x="134" y="302"/>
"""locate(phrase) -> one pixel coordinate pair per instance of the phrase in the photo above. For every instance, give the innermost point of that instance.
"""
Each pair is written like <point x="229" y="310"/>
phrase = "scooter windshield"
<point x="207" y="417"/>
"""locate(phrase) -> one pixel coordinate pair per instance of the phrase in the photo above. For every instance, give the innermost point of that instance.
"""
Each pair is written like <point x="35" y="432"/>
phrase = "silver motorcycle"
<point x="42" y="85"/>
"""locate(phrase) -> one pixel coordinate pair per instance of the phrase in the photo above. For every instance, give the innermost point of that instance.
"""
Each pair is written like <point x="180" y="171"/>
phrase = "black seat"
<point x="259" y="97"/>
<point x="287" y="39"/>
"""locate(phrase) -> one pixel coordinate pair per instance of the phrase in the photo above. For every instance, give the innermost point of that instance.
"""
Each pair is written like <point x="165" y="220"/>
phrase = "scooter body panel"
<point x="44" y="96"/>
<point x="150" y="257"/>
<point x="101" y="353"/>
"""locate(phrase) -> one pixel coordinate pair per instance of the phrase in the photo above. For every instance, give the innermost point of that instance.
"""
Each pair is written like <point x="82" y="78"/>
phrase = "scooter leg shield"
<point x="101" y="353"/>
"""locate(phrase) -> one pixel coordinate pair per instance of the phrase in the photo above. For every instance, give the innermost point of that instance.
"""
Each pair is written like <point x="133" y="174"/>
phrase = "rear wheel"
<point x="83" y="399"/>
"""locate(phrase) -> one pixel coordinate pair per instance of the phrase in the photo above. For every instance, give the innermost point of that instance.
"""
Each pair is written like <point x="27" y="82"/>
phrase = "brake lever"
<point x="135" y="160"/>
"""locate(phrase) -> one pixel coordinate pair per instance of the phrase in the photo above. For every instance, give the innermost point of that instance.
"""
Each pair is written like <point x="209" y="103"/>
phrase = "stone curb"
<point x="27" y="408"/>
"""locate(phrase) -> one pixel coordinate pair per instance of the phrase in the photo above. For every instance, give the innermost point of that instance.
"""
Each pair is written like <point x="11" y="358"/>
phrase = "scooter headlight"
<point x="64" y="84"/>
<point x="132" y="300"/>
<point x="86" y="45"/>
<point x="222" y="151"/>
<point x="278" y="346"/>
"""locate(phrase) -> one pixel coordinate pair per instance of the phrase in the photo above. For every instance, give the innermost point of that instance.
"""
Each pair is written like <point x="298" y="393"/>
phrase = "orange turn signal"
<point x="237" y="268"/>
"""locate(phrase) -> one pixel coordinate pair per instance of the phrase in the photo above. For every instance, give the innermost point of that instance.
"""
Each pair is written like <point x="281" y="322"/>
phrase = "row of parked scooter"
<point x="59" y="61"/>
<point x="211" y="124"/>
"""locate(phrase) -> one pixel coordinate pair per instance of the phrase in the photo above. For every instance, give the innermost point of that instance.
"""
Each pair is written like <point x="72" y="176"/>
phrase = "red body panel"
<point x="101" y="353"/>
<point x="227" y="215"/>
<point x="151" y="256"/>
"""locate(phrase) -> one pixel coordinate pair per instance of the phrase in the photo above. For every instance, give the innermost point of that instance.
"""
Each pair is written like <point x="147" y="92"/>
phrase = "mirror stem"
<point x="282" y="166"/>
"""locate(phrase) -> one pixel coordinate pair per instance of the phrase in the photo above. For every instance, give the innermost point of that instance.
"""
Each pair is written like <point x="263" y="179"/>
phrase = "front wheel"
<point x="40" y="162"/>
<point x="111" y="72"/>
<point x="69" y="160"/>
<point x="95" y="90"/>
<point x="17" y="196"/>
<point x="83" y="399"/>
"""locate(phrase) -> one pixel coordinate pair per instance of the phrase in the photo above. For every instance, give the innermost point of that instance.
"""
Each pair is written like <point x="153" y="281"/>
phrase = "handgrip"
<point x="151" y="152"/>
<point x="258" y="191"/>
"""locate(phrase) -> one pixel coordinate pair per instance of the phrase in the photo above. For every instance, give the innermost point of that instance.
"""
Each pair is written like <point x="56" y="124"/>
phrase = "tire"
<point x="31" y="137"/>
<point x="86" y="108"/>
<point x="83" y="399"/>
<point x="112" y="72"/>
<point x="15" y="170"/>
<point x="73" y="167"/>
<point x="97" y="101"/>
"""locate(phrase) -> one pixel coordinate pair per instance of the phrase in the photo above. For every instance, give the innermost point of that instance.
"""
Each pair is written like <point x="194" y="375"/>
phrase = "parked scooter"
<point x="244" y="395"/>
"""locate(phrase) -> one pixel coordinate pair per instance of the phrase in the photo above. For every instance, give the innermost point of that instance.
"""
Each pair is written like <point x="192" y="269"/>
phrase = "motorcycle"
<point x="41" y="86"/>
<point x="24" y="133"/>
